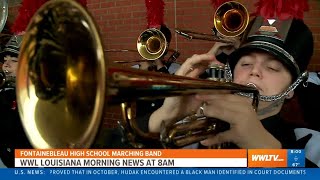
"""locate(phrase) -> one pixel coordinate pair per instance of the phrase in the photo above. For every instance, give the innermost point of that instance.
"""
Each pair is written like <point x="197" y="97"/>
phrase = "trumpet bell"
<point x="231" y="19"/>
<point x="61" y="106"/>
<point x="151" y="44"/>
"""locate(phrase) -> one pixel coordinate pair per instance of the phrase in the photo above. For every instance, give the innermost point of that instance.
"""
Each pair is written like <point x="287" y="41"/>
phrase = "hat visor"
<point x="6" y="52"/>
<point x="288" y="62"/>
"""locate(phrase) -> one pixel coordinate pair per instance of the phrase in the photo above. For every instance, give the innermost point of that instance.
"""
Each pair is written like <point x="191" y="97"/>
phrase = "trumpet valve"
<point x="217" y="73"/>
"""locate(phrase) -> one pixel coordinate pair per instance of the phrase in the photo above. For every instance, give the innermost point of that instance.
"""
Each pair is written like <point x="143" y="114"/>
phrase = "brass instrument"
<point x="125" y="50"/>
<point x="197" y="127"/>
<point x="174" y="56"/>
<point x="64" y="84"/>
<point x="2" y="79"/>
<point x="6" y="81"/>
<point x="120" y="50"/>
<point x="151" y="45"/>
<point x="230" y="20"/>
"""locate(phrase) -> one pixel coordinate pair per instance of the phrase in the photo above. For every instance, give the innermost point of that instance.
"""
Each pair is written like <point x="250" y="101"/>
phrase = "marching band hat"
<point x="12" y="47"/>
<point x="290" y="41"/>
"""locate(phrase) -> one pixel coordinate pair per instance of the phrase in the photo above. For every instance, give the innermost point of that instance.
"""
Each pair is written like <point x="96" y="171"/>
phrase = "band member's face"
<point x="10" y="66"/>
<point x="269" y="75"/>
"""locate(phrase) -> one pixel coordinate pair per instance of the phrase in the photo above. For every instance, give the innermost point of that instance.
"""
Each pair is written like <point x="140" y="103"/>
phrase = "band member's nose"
<point x="255" y="71"/>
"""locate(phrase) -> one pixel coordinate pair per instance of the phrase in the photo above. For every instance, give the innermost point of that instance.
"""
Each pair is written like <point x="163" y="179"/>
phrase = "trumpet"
<point x="230" y="20"/>
<point x="151" y="45"/>
<point x="2" y="79"/>
<point x="64" y="84"/>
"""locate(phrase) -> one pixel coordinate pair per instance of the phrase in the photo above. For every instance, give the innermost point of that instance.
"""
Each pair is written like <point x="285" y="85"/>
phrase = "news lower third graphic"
<point x="189" y="158"/>
<point x="130" y="158"/>
<point x="139" y="163"/>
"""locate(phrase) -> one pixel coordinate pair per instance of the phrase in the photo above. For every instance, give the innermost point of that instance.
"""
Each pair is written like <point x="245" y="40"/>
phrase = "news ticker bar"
<point x="160" y="158"/>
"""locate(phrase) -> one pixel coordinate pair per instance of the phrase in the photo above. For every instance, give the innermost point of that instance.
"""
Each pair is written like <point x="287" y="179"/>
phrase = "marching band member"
<point x="272" y="57"/>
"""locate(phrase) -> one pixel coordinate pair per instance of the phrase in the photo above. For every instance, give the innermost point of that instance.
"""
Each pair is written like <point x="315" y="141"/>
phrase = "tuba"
<point x="64" y="84"/>
<point x="230" y="19"/>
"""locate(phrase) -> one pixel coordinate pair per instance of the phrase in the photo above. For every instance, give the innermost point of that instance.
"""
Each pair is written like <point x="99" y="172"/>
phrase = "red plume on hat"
<point x="282" y="9"/>
<point x="27" y="10"/>
<point x="155" y="13"/>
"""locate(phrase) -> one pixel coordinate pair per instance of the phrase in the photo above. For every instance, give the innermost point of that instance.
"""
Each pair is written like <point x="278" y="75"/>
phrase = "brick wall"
<point x="121" y="21"/>
<point x="312" y="19"/>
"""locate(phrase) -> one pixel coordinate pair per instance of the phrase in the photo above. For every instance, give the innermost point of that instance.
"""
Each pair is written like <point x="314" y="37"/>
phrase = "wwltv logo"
<point x="267" y="158"/>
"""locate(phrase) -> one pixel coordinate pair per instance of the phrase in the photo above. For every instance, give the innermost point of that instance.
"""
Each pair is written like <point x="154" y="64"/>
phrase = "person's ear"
<point x="290" y="95"/>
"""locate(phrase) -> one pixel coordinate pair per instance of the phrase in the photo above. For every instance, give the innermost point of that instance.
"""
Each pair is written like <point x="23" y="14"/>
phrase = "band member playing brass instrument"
<point x="12" y="133"/>
<point x="273" y="66"/>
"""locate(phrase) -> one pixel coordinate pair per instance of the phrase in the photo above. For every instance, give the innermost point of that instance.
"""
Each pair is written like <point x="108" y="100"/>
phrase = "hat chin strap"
<point x="302" y="78"/>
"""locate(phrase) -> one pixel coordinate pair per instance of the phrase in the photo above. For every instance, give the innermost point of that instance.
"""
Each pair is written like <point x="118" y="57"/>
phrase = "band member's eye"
<point x="276" y="69"/>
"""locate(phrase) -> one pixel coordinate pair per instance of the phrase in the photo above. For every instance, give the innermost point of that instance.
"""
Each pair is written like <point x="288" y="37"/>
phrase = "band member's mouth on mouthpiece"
<point x="252" y="85"/>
